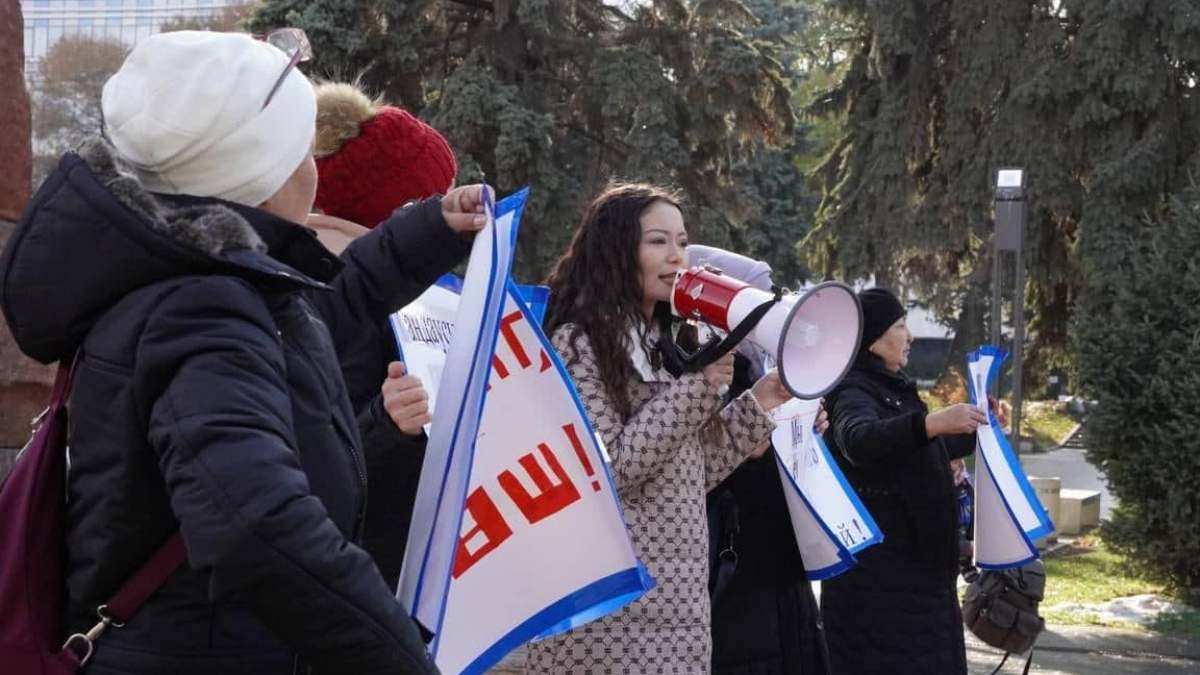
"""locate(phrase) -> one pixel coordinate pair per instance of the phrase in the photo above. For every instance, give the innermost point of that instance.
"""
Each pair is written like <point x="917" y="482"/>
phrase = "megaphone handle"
<point x="714" y="350"/>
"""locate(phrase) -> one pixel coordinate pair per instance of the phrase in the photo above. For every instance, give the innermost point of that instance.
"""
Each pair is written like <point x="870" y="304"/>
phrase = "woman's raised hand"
<point x="462" y="208"/>
<point x="719" y="373"/>
<point x="822" y="422"/>
<point x="405" y="400"/>
<point x="960" y="418"/>
<point x="770" y="392"/>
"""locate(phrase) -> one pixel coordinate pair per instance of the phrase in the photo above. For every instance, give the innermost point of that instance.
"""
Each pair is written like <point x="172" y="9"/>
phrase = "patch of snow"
<point x="1141" y="609"/>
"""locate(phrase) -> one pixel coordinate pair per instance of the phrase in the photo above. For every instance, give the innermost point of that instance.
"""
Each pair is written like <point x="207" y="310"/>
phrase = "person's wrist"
<point x="931" y="426"/>
<point x="758" y="403"/>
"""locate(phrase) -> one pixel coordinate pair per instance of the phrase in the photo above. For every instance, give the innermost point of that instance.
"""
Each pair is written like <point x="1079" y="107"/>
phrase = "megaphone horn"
<point x="813" y="335"/>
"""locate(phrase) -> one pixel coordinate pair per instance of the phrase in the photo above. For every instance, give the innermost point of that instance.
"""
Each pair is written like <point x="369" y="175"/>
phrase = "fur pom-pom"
<point x="342" y="108"/>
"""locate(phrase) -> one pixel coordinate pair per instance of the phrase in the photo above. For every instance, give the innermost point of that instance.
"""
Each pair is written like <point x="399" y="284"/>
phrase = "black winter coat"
<point x="393" y="458"/>
<point x="764" y="618"/>
<point x="897" y="610"/>
<point x="208" y="398"/>
<point x="394" y="468"/>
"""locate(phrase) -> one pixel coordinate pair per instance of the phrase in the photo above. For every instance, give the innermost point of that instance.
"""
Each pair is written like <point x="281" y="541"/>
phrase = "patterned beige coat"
<point x="662" y="471"/>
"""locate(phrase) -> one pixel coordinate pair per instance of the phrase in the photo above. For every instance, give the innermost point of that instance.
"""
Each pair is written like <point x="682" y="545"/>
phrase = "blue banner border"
<point x="1045" y="526"/>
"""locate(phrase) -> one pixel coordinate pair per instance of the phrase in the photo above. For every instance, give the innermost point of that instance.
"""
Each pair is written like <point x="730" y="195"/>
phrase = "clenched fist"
<point x="405" y="400"/>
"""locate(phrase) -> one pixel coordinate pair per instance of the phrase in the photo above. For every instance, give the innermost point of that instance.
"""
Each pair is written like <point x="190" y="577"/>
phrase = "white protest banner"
<point x="830" y="522"/>
<point x="1008" y="515"/>
<point x="423" y="329"/>
<point x="540" y="544"/>
<point x="437" y="512"/>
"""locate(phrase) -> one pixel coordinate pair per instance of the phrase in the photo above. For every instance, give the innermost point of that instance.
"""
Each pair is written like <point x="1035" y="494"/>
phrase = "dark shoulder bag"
<point x="1001" y="608"/>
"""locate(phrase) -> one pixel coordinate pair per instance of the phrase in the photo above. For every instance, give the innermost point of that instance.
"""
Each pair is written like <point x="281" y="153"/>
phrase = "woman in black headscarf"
<point x="897" y="610"/>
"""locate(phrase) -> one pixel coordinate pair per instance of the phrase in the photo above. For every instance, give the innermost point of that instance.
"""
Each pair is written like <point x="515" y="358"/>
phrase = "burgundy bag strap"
<point x="62" y="382"/>
<point x="61" y="390"/>
<point x="78" y="648"/>
<point x="144" y="582"/>
<point x="153" y="574"/>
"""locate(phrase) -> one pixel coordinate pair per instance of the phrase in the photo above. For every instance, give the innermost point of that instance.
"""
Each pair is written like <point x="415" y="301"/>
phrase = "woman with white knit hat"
<point x="205" y="324"/>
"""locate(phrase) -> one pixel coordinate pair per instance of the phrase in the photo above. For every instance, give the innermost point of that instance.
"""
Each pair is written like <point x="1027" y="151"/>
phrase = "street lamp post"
<point x="1009" y="205"/>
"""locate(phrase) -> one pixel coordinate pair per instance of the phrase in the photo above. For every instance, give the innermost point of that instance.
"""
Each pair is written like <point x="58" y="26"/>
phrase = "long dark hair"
<point x="596" y="285"/>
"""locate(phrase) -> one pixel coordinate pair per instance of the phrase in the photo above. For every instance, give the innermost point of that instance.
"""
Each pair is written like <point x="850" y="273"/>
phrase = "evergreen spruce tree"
<point x="1131" y="75"/>
<point x="934" y="100"/>
<point x="1096" y="100"/>
<point x="565" y="95"/>
<point x="1139" y="359"/>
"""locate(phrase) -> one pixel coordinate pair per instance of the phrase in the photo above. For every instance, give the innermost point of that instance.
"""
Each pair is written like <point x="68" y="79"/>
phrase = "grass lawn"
<point x="1091" y="573"/>
<point x="1047" y="423"/>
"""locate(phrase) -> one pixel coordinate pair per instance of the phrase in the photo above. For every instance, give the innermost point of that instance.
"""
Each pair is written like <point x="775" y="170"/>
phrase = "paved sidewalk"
<point x="1087" y="650"/>
<point x="1071" y="465"/>
<point x="1061" y="650"/>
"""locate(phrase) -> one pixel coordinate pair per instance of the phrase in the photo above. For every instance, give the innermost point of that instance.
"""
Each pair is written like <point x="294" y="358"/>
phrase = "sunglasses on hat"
<point x="290" y="41"/>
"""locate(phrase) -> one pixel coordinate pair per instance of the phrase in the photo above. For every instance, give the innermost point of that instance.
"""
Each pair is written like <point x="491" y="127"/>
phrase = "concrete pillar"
<point x="14" y="137"/>
<point x="14" y="114"/>
<point x="1048" y="490"/>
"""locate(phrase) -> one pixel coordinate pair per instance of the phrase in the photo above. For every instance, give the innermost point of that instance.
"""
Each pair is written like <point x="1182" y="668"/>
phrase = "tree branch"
<point x="477" y="4"/>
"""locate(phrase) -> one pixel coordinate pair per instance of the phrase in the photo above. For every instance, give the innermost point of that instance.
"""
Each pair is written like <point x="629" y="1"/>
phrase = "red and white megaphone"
<point x="813" y="335"/>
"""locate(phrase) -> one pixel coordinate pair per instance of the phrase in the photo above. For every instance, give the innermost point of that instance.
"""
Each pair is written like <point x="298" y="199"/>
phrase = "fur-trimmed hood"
<point x="93" y="234"/>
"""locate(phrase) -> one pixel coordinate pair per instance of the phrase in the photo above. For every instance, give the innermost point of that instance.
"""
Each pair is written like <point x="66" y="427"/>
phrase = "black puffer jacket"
<point x="394" y="468"/>
<point x="764" y="617"/>
<point x="897" y="610"/>
<point x="765" y="621"/>
<point x="393" y="458"/>
<point x="208" y="398"/>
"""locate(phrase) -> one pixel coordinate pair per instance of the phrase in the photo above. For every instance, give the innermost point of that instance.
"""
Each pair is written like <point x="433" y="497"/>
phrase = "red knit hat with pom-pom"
<point x="372" y="158"/>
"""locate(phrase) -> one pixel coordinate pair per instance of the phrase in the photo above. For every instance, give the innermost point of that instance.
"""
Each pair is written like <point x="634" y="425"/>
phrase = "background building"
<point x="46" y="21"/>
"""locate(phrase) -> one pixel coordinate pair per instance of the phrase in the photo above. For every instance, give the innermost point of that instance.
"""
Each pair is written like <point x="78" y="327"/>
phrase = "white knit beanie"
<point x="185" y="110"/>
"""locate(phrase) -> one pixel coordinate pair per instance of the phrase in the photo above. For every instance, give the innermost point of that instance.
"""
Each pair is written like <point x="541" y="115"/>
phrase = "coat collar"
<point x="292" y="250"/>
<point x="872" y="367"/>
<point x="241" y="240"/>
<point x="93" y="234"/>
<point x="641" y="360"/>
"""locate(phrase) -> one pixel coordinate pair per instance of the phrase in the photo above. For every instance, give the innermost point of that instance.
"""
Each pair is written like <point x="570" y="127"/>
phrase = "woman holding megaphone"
<point x="897" y="611"/>
<point x="670" y="437"/>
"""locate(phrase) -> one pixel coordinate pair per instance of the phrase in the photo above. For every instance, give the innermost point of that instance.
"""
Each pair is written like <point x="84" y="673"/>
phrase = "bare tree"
<point x="231" y="18"/>
<point x="66" y="99"/>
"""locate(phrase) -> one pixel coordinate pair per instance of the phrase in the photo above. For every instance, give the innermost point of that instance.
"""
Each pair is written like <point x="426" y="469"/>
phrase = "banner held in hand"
<point x="1008" y="515"/>
<point x="829" y="520"/>
<point x="540" y="544"/>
